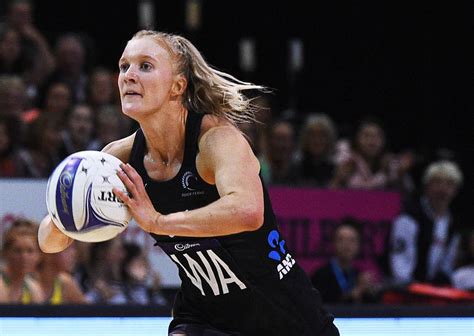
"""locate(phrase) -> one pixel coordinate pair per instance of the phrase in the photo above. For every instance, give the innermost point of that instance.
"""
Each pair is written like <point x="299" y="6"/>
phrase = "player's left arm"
<point x="226" y="159"/>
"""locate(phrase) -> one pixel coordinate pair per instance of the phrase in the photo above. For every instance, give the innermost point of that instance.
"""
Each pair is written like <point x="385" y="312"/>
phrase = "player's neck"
<point x="164" y="134"/>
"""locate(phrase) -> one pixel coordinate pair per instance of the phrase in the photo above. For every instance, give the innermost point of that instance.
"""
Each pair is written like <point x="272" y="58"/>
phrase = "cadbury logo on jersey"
<point x="189" y="181"/>
<point x="182" y="247"/>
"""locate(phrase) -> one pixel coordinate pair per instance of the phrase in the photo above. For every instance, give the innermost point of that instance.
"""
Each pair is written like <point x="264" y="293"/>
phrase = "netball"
<point x="80" y="200"/>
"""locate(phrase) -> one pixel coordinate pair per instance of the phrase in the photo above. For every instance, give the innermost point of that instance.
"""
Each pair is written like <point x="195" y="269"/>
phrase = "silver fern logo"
<point x="187" y="180"/>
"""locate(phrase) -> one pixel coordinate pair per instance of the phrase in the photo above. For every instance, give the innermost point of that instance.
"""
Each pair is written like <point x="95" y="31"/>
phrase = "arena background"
<point x="408" y="63"/>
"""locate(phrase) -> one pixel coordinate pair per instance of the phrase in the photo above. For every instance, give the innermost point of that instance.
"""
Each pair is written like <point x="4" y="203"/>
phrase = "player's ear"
<point x="179" y="85"/>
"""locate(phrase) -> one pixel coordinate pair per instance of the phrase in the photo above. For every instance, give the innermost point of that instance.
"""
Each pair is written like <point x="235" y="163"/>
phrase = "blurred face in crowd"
<point x="10" y="46"/>
<point x="101" y="88"/>
<point x="319" y="141"/>
<point x="281" y="142"/>
<point x="20" y="15"/>
<point x="48" y="136"/>
<point x="22" y="254"/>
<point x="70" y="55"/>
<point x="58" y="99"/>
<point x="81" y="124"/>
<point x="346" y="243"/>
<point x="12" y="96"/>
<point x="370" y="140"/>
<point x="108" y="127"/>
<point x="440" y="191"/>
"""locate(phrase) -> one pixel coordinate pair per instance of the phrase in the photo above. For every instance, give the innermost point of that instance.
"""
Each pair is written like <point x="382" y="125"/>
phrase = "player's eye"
<point x="146" y="66"/>
<point x="123" y="67"/>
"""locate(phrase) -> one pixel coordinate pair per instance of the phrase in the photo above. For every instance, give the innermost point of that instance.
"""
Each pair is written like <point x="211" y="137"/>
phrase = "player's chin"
<point x="130" y="109"/>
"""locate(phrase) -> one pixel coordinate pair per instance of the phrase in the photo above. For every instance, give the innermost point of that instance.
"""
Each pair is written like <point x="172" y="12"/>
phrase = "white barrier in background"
<point x="27" y="198"/>
<point x="138" y="326"/>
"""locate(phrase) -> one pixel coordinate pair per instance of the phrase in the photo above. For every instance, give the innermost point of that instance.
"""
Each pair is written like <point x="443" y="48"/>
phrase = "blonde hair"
<point x="209" y="90"/>
<point x="445" y="169"/>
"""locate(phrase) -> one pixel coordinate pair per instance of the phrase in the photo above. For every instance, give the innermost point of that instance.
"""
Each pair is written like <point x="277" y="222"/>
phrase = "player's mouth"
<point x="131" y="93"/>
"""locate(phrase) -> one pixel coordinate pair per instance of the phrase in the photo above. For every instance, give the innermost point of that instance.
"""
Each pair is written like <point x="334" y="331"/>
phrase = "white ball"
<point x="80" y="200"/>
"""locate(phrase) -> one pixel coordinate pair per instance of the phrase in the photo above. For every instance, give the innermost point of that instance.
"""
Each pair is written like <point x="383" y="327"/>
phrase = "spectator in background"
<point x="141" y="283"/>
<point x="40" y="155"/>
<point x="12" y="96"/>
<point x="70" y="53"/>
<point x="35" y="49"/>
<point x="278" y="165"/>
<point x="102" y="89"/>
<point x="79" y="132"/>
<point x="10" y="162"/>
<point x="250" y="132"/>
<point x="56" y="101"/>
<point x="339" y="281"/>
<point x="424" y="238"/>
<point x="317" y="149"/>
<point x="105" y="282"/>
<point x="58" y="286"/>
<point x="12" y="58"/>
<point x="111" y="125"/>
<point x="368" y="164"/>
<point x="463" y="275"/>
<point x="21" y="253"/>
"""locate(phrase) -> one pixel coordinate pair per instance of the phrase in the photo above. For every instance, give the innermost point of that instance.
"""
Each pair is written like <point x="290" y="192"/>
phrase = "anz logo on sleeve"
<point x="279" y="254"/>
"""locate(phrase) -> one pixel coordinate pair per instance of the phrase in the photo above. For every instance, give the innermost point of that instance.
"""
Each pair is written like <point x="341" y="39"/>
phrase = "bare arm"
<point x="50" y="238"/>
<point x="226" y="159"/>
<point x="121" y="148"/>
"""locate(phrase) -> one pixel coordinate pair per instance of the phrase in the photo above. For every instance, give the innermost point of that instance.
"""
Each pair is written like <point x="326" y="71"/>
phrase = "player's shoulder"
<point x="215" y="126"/>
<point x="121" y="148"/>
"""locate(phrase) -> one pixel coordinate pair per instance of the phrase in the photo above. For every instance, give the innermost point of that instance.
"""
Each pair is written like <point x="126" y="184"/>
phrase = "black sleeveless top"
<point x="245" y="283"/>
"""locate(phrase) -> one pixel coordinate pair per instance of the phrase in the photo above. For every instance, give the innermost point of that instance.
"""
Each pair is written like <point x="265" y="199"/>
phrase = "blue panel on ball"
<point x="64" y="193"/>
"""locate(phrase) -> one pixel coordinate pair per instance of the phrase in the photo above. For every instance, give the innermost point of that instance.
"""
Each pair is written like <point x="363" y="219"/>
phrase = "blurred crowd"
<point x="111" y="272"/>
<point x="51" y="106"/>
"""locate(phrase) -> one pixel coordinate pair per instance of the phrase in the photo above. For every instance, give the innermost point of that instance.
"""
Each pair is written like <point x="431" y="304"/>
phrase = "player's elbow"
<point x="51" y="247"/>
<point x="252" y="215"/>
<point x="45" y="248"/>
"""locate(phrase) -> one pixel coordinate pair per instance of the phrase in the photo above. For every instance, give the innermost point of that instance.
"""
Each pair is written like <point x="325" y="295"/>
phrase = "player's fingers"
<point x="127" y="182"/>
<point x="122" y="195"/>
<point x="132" y="173"/>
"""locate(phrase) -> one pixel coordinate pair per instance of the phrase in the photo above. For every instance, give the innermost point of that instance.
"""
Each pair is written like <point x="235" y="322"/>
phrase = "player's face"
<point x="146" y="77"/>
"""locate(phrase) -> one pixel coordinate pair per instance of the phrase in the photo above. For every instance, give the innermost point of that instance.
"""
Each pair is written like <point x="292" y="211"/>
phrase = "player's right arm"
<point x="50" y="238"/>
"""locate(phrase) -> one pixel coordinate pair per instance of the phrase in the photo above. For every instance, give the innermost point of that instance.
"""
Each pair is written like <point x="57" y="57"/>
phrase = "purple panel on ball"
<point x="93" y="219"/>
<point x="64" y="191"/>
